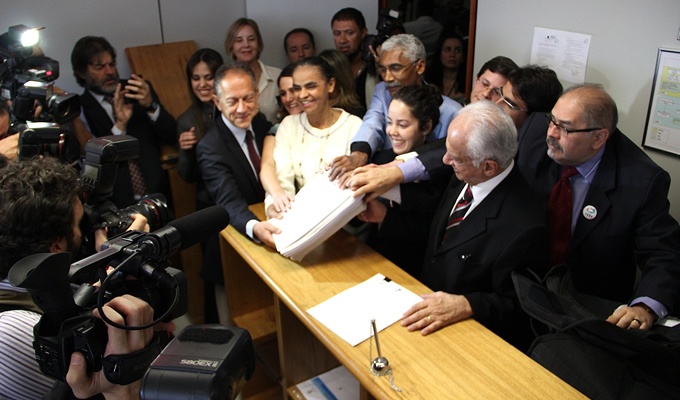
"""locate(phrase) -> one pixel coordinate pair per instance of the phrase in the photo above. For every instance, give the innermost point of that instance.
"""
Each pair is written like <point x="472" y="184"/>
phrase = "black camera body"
<point x="388" y="21"/>
<point x="126" y="100"/>
<point x="97" y="178"/>
<point x="28" y="81"/>
<point x="67" y="324"/>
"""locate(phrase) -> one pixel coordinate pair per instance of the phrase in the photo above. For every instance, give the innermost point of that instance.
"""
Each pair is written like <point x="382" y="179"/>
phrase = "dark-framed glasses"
<point x="508" y="102"/>
<point x="563" y="130"/>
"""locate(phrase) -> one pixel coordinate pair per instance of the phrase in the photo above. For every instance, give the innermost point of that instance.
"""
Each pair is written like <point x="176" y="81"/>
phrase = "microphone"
<point x="184" y="232"/>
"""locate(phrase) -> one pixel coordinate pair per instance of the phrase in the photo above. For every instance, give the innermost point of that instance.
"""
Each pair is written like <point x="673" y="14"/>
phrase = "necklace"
<point x="320" y="137"/>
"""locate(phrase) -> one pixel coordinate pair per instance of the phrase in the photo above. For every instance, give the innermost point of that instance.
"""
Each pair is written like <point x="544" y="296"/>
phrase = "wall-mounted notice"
<point x="564" y="52"/>
<point x="662" y="130"/>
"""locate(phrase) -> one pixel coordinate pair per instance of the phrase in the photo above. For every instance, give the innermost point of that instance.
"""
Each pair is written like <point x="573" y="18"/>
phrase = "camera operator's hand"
<point x="139" y="223"/>
<point x="121" y="110"/>
<point x="125" y="310"/>
<point x="138" y="89"/>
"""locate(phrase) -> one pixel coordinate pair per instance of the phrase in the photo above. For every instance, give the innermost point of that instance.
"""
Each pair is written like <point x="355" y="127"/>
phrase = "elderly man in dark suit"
<point x="132" y="109"/>
<point x="487" y="225"/>
<point x="229" y="154"/>
<point x="228" y="158"/>
<point x="619" y="218"/>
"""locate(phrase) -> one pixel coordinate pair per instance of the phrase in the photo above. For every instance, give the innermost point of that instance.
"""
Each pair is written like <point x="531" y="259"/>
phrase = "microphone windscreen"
<point x="200" y="225"/>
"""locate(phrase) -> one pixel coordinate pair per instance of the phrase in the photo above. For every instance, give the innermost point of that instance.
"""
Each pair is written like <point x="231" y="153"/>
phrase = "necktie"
<point x="254" y="157"/>
<point x="559" y="217"/>
<point x="459" y="210"/>
<point x="136" y="177"/>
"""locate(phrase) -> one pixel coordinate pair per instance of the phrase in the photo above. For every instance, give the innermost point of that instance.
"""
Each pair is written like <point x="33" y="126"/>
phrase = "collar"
<point x="587" y="169"/>
<point x="265" y="78"/>
<point x="5" y="285"/>
<point x="239" y="133"/>
<point x="481" y="190"/>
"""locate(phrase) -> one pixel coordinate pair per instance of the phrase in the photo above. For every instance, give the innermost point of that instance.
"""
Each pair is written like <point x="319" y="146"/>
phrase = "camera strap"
<point x="123" y="369"/>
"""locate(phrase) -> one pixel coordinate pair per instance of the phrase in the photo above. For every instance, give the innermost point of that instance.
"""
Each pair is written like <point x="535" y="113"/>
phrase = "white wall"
<point x="625" y="37"/>
<point x="127" y="23"/>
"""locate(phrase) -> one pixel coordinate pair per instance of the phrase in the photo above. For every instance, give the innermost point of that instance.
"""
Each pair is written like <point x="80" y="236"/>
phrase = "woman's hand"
<point x="188" y="139"/>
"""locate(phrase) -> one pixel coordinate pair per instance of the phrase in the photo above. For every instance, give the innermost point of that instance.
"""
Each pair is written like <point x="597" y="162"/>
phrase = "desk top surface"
<point x="464" y="360"/>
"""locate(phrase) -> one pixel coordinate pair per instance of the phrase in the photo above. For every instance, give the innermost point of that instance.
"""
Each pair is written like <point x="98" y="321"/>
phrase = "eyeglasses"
<point x="508" y="102"/>
<point x="487" y="86"/>
<point x="566" y="131"/>
<point x="395" y="69"/>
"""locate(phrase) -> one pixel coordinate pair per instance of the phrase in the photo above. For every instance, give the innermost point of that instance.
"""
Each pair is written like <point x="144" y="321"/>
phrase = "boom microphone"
<point x="184" y="232"/>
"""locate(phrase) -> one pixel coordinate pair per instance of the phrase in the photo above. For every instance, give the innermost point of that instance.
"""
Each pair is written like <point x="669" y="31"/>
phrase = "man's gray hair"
<point x="491" y="133"/>
<point x="410" y="45"/>
<point x="227" y="68"/>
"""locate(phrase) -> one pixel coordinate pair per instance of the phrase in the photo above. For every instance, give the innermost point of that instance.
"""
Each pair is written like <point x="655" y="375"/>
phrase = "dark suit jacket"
<point x="506" y="232"/>
<point x="227" y="174"/>
<point x="402" y="236"/>
<point x="632" y="226"/>
<point x="150" y="135"/>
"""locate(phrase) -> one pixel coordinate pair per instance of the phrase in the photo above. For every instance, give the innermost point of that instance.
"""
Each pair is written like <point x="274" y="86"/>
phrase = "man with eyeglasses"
<point x="402" y="63"/>
<point x="618" y="219"/>
<point x="493" y="75"/>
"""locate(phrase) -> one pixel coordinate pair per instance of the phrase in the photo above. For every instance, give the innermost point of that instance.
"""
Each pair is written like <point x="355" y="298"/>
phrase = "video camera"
<point x="388" y="21"/>
<point x="28" y="81"/>
<point x="141" y="269"/>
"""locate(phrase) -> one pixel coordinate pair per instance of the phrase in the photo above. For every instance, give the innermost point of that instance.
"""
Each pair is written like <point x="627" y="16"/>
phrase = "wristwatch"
<point x="152" y="107"/>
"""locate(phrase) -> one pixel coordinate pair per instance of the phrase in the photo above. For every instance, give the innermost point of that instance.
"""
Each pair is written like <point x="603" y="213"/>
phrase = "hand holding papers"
<point x="349" y="313"/>
<point x="320" y="209"/>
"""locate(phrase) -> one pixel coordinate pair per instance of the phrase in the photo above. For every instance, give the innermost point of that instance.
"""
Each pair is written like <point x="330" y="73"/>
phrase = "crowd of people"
<point x="462" y="189"/>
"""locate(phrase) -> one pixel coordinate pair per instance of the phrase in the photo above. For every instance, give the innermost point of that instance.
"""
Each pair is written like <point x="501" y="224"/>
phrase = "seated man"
<point x="112" y="109"/>
<point x="487" y="225"/>
<point x="402" y="63"/>
<point x="41" y="213"/>
<point x="299" y="44"/>
<point x="616" y="208"/>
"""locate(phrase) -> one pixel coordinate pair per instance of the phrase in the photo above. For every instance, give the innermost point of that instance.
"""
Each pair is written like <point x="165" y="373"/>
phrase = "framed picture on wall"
<point x="662" y="130"/>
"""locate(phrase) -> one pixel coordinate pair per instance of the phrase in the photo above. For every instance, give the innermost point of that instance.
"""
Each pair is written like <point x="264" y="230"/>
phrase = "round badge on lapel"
<point x="589" y="212"/>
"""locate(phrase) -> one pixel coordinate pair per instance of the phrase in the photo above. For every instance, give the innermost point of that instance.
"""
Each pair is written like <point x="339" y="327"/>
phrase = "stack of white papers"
<point x="320" y="209"/>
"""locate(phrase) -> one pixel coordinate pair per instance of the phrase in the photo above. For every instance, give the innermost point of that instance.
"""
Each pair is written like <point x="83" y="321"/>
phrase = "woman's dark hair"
<point x="319" y="63"/>
<point x="435" y="72"/>
<point x="213" y="60"/>
<point x="423" y="102"/>
<point x="286" y="72"/>
<point x="345" y="94"/>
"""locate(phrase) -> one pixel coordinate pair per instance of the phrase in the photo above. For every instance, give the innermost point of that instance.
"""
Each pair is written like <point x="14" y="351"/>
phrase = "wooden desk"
<point x="464" y="360"/>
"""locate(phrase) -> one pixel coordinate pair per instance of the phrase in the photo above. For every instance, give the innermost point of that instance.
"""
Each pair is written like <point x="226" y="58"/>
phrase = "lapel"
<point x="97" y="119"/>
<point x="475" y="223"/>
<point x="234" y="147"/>
<point x="597" y="196"/>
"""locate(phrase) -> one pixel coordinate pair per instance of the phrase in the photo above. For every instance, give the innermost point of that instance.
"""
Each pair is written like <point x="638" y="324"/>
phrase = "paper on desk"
<point x="348" y="314"/>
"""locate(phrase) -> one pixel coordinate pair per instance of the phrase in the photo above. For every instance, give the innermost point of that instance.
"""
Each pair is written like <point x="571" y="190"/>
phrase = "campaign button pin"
<point x="589" y="212"/>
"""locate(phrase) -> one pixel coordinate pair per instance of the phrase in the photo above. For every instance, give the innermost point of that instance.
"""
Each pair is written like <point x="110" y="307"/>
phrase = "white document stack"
<point x="320" y="209"/>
